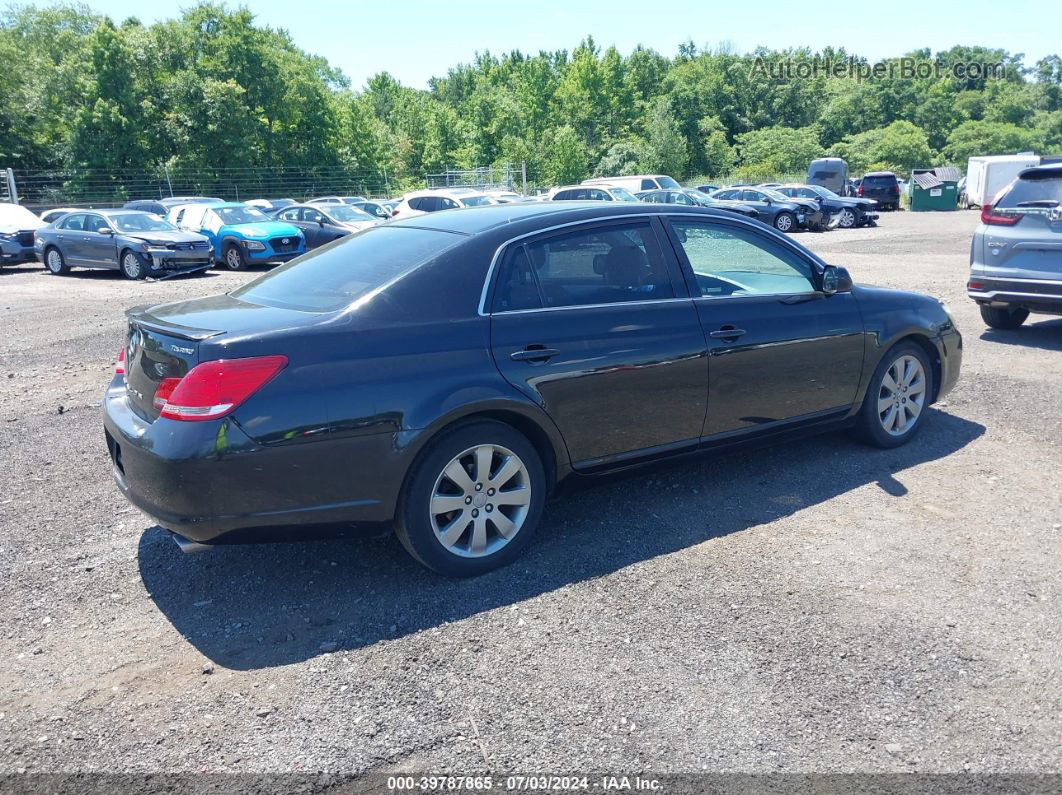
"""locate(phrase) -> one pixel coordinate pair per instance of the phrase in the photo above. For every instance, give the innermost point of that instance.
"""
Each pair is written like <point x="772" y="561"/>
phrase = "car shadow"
<point x="1046" y="334"/>
<point x="263" y="605"/>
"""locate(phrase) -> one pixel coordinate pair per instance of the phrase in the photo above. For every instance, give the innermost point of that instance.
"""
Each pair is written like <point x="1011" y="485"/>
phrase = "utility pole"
<point x="11" y="191"/>
<point x="169" y="184"/>
<point x="523" y="176"/>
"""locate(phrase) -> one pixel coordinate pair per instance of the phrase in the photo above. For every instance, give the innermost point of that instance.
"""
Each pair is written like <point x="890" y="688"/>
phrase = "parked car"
<point x="594" y="193"/>
<point x="17" y="227"/>
<point x="1016" y="254"/>
<point x="447" y="373"/>
<point x="137" y="243"/>
<point x="694" y="198"/>
<point x="637" y="183"/>
<point x="270" y="206"/>
<point x="850" y="212"/>
<point x="240" y="235"/>
<point x="508" y="196"/>
<point x="323" y="223"/>
<point x="781" y="212"/>
<point x="831" y="173"/>
<point x="882" y="187"/>
<point x="373" y="208"/>
<point x="430" y="201"/>
<point x="708" y="188"/>
<point x="50" y="216"/>
<point x="163" y="206"/>
<point x="336" y="200"/>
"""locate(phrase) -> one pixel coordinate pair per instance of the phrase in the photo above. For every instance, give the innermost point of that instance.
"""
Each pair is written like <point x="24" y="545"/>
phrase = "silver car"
<point x="1016" y="253"/>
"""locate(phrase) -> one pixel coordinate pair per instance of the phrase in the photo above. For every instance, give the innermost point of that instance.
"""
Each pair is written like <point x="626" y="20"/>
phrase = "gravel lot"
<point x="818" y="607"/>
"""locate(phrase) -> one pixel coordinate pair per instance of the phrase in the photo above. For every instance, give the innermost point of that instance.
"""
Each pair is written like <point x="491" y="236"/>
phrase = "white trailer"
<point x="987" y="176"/>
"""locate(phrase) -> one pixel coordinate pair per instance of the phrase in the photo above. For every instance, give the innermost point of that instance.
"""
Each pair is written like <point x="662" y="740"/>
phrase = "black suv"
<point x="883" y="187"/>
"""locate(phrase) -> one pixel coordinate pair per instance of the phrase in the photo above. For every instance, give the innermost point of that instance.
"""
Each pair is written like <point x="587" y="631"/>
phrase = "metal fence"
<point x="501" y="177"/>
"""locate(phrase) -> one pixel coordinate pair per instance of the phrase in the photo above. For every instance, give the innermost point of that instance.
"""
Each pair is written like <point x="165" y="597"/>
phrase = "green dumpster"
<point x="934" y="189"/>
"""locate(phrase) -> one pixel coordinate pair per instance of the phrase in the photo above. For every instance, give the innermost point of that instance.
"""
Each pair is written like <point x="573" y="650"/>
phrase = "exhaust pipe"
<point x="188" y="546"/>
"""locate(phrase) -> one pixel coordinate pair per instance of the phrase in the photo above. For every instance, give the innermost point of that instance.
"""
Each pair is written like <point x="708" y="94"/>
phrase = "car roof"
<point x="879" y="174"/>
<point x="111" y="212"/>
<point x="473" y="220"/>
<point x="1050" y="170"/>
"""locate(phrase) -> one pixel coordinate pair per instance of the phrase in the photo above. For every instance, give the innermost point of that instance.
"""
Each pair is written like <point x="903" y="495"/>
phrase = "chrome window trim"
<point x="737" y="219"/>
<point x="976" y="277"/>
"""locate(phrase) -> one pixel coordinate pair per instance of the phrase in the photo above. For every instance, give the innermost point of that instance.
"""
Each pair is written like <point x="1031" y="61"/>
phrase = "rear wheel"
<point x="897" y="396"/>
<point x="784" y="222"/>
<point x="55" y="262"/>
<point x="1003" y="317"/>
<point x="472" y="502"/>
<point x="233" y="258"/>
<point x="132" y="266"/>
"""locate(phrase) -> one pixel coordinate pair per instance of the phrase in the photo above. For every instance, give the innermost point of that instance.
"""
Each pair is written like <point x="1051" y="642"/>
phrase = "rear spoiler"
<point x="141" y="315"/>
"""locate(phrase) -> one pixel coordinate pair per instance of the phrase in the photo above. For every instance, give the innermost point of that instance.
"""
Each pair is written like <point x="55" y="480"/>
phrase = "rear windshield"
<point x="884" y="180"/>
<point x="667" y="182"/>
<point x="623" y="194"/>
<point x="476" y="201"/>
<point x="333" y="277"/>
<point x="1033" y="193"/>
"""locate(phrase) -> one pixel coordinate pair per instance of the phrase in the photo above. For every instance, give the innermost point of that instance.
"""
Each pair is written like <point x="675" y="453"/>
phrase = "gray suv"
<point x="1016" y="253"/>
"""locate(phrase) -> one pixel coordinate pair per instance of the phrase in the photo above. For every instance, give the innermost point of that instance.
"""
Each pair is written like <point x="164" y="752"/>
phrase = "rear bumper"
<point x="203" y="480"/>
<point x="1037" y="295"/>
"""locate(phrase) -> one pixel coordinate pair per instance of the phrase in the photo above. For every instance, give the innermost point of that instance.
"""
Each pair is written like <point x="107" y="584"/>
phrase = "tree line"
<point x="213" y="90"/>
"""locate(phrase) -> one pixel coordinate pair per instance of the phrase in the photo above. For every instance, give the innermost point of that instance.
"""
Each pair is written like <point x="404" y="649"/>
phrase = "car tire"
<point x="233" y="258"/>
<point x="897" y="397"/>
<point x="1002" y="317"/>
<point x="785" y="221"/>
<point x="55" y="262"/>
<point x="848" y="219"/>
<point x="132" y="266"/>
<point x="447" y="516"/>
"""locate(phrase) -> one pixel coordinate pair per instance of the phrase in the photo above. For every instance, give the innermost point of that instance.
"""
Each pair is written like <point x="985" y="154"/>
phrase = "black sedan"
<point x="691" y="197"/>
<point x="323" y="223"/>
<point x="781" y="212"/>
<point x="850" y="211"/>
<point x="138" y="244"/>
<point x="446" y="373"/>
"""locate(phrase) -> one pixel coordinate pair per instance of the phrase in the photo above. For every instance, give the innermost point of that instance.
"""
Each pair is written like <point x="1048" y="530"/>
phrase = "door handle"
<point x="534" y="353"/>
<point x="727" y="333"/>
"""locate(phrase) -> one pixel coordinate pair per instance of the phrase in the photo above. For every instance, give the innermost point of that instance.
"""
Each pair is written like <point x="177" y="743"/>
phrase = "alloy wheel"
<point x="847" y="219"/>
<point x="55" y="261"/>
<point x="233" y="258"/>
<point x="131" y="265"/>
<point x="901" y="395"/>
<point x="783" y="223"/>
<point x="480" y="501"/>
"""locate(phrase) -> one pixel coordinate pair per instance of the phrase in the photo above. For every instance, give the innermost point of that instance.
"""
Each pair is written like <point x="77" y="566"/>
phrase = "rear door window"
<point x="600" y="265"/>
<point x="649" y="184"/>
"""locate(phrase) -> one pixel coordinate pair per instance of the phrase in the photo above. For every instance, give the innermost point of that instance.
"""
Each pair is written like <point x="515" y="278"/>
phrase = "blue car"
<point x="240" y="235"/>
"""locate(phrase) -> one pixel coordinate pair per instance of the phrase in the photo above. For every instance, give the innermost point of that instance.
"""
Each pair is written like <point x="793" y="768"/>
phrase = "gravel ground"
<point x="817" y="607"/>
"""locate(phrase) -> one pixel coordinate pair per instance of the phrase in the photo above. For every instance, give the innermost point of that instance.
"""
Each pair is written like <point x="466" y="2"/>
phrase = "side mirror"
<point x="105" y="230"/>
<point x="836" y="280"/>
<point x="320" y="221"/>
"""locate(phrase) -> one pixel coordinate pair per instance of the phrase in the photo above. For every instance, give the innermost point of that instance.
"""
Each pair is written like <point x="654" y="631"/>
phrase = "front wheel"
<point x="132" y="266"/>
<point x="233" y="258"/>
<point x="848" y="219"/>
<point x="784" y="222"/>
<point x="471" y="504"/>
<point x="1002" y="317"/>
<point x="897" y="396"/>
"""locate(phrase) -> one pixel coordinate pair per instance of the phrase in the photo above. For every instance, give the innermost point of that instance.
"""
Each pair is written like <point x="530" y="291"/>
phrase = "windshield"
<point x="775" y="195"/>
<point x="135" y="222"/>
<point x="1026" y="192"/>
<point x="825" y="193"/>
<point x="240" y="215"/>
<point x="476" y="201"/>
<point x="333" y="277"/>
<point x="346" y="213"/>
<point x="667" y="182"/>
<point x="699" y="196"/>
<point x="622" y="194"/>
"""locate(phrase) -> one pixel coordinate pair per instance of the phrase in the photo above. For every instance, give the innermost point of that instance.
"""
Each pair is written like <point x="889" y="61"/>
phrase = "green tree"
<point x="902" y="145"/>
<point x="718" y="156"/>
<point x="666" y="150"/>
<point x="779" y="150"/>
<point x="565" y="157"/>
<point x="976" y="138"/>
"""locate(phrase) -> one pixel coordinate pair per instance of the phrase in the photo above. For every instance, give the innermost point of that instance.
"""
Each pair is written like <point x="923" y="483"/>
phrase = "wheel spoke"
<point x="457" y="475"/>
<point x="917" y="387"/>
<point x="888" y="382"/>
<point x="889" y="420"/>
<point x="884" y="403"/>
<point x="906" y="371"/>
<point x="506" y="472"/>
<point x="453" y="531"/>
<point x="444" y="503"/>
<point x="914" y="409"/>
<point x="479" y="535"/>
<point x="484" y="459"/>
<point x="503" y="524"/>
<point x="521" y="496"/>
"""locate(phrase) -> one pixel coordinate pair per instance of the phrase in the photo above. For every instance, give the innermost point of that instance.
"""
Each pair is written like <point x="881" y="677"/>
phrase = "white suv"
<point x="430" y="201"/>
<point x="637" y="183"/>
<point x="598" y="193"/>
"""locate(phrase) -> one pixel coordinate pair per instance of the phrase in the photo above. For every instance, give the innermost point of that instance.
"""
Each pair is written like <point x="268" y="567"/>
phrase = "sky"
<point x="416" y="40"/>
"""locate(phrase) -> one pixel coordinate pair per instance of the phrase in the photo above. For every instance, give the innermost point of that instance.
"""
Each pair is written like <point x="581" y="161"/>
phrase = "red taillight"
<point x="995" y="219"/>
<point x="860" y="190"/>
<point x="974" y="285"/>
<point x="896" y="189"/>
<point x="119" y="366"/>
<point x="213" y="389"/>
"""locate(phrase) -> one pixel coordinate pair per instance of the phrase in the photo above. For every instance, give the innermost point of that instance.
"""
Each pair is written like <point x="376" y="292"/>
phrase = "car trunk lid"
<point x="155" y="351"/>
